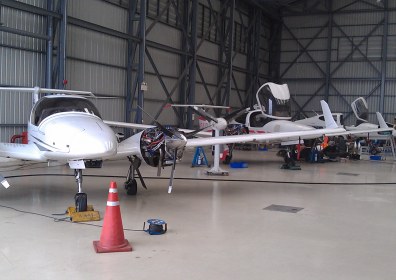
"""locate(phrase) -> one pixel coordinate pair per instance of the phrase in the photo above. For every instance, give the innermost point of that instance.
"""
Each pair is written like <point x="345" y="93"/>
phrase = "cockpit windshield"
<point x="48" y="106"/>
<point x="360" y="109"/>
<point x="276" y="99"/>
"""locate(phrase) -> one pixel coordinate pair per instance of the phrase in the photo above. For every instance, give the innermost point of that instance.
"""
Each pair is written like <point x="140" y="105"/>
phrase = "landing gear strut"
<point x="289" y="160"/>
<point x="80" y="198"/>
<point x="130" y="184"/>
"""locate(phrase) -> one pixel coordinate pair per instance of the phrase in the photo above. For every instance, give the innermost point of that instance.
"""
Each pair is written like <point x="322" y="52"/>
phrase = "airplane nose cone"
<point x="92" y="146"/>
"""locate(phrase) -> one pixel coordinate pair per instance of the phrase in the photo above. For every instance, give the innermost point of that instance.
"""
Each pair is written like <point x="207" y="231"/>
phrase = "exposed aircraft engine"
<point x="156" y="147"/>
<point x="152" y="146"/>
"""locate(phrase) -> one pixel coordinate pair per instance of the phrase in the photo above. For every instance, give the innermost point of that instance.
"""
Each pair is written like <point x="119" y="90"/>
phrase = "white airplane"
<point x="277" y="99"/>
<point x="360" y="109"/>
<point x="69" y="128"/>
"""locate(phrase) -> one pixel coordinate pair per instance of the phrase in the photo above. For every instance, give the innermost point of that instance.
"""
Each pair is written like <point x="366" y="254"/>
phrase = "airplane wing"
<point x="261" y="138"/>
<point x="145" y="126"/>
<point x="20" y="151"/>
<point x="382" y="130"/>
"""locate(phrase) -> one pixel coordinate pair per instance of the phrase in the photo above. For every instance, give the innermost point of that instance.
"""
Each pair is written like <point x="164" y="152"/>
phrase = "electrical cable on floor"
<point x="66" y="219"/>
<point x="217" y="180"/>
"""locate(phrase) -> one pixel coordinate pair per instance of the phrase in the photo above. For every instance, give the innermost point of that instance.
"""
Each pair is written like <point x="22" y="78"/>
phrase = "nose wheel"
<point x="80" y="198"/>
<point x="131" y="187"/>
<point x="81" y="202"/>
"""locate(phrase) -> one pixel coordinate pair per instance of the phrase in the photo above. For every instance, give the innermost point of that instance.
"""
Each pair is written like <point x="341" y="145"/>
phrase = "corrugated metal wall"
<point x="97" y="62"/>
<point x="305" y="54"/>
<point x="22" y="64"/>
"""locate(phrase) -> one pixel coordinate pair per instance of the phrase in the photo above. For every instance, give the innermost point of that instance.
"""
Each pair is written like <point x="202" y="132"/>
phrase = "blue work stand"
<point x="198" y="159"/>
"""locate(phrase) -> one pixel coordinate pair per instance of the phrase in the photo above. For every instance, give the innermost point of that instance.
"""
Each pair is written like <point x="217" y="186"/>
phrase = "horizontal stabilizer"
<point x="46" y="90"/>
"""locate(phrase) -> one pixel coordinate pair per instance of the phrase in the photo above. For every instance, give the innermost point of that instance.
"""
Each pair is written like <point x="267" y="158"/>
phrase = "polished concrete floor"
<point x="217" y="226"/>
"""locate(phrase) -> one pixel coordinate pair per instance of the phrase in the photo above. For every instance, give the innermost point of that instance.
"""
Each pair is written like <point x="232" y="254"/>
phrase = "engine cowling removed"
<point x="154" y="149"/>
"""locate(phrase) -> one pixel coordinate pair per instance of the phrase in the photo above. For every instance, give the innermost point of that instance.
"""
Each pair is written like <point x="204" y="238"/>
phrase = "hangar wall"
<point x="98" y="44"/>
<point x="338" y="51"/>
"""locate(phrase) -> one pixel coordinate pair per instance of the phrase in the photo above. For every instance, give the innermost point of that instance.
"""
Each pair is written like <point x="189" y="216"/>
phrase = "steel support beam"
<point x="50" y="46"/>
<point x="384" y="56"/>
<point x="328" y="55"/>
<point x="141" y="67"/>
<point x="230" y="52"/>
<point x="62" y="45"/>
<point x="193" y="66"/>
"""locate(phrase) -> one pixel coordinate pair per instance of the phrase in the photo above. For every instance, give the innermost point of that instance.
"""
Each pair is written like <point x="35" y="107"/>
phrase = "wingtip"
<point x="169" y="105"/>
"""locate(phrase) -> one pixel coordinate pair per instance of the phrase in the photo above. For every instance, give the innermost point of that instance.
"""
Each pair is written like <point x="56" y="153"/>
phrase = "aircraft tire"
<point x="81" y="202"/>
<point x="227" y="159"/>
<point x="131" y="187"/>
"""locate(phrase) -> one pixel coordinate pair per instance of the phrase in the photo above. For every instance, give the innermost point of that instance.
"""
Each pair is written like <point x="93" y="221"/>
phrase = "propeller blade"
<point x="166" y="131"/>
<point x="161" y="157"/>
<point x="4" y="182"/>
<point x="203" y="114"/>
<point x="172" y="172"/>
<point x="192" y="133"/>
<point x="236" y="114"/>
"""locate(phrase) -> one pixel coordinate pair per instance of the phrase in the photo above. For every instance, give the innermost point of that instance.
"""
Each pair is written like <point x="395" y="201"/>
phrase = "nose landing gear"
<point x="80" y="198"/>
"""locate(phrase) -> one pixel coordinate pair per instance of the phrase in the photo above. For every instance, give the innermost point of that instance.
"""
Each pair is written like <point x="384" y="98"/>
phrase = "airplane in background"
<point x="360" y="109"/>
<point x="278" y="119"/>
<point x="67" y="127"/>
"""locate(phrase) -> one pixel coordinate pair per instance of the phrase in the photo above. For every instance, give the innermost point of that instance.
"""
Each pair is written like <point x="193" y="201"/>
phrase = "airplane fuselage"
<point x="73" y="136"/>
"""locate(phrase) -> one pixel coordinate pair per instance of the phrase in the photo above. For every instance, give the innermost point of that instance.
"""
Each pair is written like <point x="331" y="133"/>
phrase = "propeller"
<point x="4" y="181"/>
<point x="236" y="114"/>
<point x="203" y="114"/>
<point x="172" y="172"/>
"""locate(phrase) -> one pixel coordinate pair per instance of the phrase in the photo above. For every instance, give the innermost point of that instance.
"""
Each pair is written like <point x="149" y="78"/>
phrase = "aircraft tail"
<point x="381" y="121"/>
<point x="329" y="120"/>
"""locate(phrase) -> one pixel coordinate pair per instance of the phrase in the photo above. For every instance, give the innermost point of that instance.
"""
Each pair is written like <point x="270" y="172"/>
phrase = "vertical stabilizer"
<point x="329" y="120"/>
<point x="381" y="121"/>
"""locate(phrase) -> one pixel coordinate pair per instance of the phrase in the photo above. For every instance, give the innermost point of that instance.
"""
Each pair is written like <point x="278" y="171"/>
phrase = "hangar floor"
<point x="217" y="226"/>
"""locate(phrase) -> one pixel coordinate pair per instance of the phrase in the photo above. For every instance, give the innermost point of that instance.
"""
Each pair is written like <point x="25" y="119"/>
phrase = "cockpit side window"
<point x="46" y="107"/>
<point x="258" y="120"/>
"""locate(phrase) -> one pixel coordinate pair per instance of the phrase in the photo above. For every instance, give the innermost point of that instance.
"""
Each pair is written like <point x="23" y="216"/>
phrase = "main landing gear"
<point x="289" y="160"/>
<point x="80" y="198"/>
<point x="130" y="184"/>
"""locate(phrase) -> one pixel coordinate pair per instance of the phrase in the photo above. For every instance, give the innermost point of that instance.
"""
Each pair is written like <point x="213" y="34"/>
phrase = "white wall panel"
<point x="209" y="50"/>
<point x="100" y="13"/>
<point x="94" y="46"/>
<point x="156" y="91"/>
<point x="168" y="64"/>
<point x="209" y="72"/>
<point x="165" y="34"/>
<point x="240" y="60"/>
<point x="96" y="78"/>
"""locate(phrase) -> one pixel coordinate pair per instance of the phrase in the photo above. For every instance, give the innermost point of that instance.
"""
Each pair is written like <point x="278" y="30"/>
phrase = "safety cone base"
<point x="99" y="248"/>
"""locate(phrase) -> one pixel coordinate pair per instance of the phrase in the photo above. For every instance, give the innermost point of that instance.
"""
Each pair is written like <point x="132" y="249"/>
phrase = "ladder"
<point x="390" y="146"/>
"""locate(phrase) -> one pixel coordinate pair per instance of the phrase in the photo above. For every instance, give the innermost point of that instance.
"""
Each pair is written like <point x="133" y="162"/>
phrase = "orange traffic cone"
<point x="112" y="238"/>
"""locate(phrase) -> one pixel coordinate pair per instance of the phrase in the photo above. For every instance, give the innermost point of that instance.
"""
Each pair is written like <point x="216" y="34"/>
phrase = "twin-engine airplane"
<point x="66" y="127"/>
